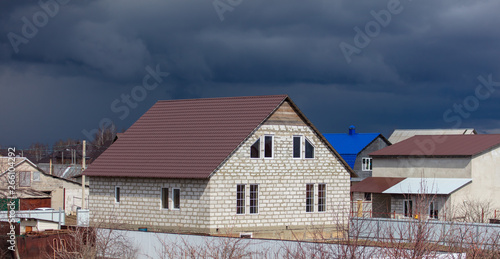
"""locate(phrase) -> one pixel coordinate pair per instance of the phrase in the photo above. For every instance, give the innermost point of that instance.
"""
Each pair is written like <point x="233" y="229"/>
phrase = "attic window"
<point x="309" y="149"/>
<point x="255" y="149"/>
<point x="36" y="176"/>
<point x="25" y="179"/>
<point x="297" y="150"/>
<point x="268" y="146"/>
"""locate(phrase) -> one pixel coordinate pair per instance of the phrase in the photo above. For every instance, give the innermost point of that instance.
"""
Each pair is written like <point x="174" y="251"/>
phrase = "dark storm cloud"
<point x="423" y="61"/>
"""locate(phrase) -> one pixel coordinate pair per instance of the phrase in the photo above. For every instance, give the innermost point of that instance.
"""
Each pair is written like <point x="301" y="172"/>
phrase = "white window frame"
<point x="305" y="151"/>
<point x="117" y="194"/>
<point x="325" y="192"/>
<point x="173" y="198"/>
<point x="244" y="199"/>
<point x="167" y="201"/>
<point x="250" y="200"/>
<point x="311" y="198"/>
<point x="264" y="146"/>
<point x="369" y="194"/>
<point x="364" y="165"/>
<point x="300" y="146"/>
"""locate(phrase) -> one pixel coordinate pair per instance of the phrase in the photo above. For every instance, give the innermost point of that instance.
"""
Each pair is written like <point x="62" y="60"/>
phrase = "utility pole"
<point x="83" y="176"/>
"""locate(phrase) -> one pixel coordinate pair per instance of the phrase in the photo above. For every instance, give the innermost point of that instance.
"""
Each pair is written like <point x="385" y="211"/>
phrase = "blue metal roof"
<point x="348" y="146"/>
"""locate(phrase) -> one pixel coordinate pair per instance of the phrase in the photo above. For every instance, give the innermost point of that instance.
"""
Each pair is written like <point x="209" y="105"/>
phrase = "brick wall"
<point x="140" y="203"/>
<point x="282" y="184"/>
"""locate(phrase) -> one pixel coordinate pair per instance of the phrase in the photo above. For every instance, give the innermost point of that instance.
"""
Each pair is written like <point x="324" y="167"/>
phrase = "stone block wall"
<point x="282" y="185"/>
<point x="140" y="204"/>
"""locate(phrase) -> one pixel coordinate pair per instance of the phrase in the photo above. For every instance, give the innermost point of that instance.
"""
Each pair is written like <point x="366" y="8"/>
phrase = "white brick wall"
<point x="211" y="204"/>
<point x="282" y="184"/>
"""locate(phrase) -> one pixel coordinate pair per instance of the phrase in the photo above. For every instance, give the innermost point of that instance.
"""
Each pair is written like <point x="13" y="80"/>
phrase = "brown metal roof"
<point x="376" y="184"/>
<point x="184" y="138"/>
<point x="441" y="145"/>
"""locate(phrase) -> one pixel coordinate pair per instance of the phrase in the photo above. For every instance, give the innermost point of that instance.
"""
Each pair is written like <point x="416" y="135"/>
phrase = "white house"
<point x="220" y="165"/>
<point x="449" y="170"/>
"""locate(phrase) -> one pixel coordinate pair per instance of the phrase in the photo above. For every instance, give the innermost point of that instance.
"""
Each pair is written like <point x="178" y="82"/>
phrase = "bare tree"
<point x="223" y="247"/>
<point x="473" y="210"/>
<point x="99" y="241"/>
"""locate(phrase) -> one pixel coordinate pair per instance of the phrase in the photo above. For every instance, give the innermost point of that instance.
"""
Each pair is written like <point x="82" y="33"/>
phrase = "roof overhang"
<point x="376" y="184"/>
<point x="438" y="186"/>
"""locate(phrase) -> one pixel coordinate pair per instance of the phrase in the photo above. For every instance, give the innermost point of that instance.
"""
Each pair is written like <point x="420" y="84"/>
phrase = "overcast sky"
<point x="67" y="65"/>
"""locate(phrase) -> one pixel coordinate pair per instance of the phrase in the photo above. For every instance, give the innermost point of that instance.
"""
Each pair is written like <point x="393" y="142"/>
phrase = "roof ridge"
<point x="226" y="98"/>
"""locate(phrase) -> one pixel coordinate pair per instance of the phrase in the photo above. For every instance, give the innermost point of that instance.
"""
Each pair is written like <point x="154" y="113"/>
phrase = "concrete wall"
<point x="422" y="167"/>
<point x="377" y="144"/>
<point x="485" y="186"/>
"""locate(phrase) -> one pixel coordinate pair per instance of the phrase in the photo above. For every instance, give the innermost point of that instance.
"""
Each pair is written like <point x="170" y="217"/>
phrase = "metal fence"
<point x="48" y="215"/>
<point x="82" y="218"/>
<point x="164" y="245"/>
<point x="441" y="232"/>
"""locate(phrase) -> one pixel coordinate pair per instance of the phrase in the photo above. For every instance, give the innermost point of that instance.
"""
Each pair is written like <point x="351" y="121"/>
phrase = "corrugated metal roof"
<point x="442" y="145"/>
<point x="427" y="186"/>
<point x="190" y="138"/>
<point x="349" y="145"/>
<point x="376" y="184"/>
<point x="349" y="159"/>
<point x="184" y="138"/>
<point x="403" y="134"/>
<point x="23" y="194"/>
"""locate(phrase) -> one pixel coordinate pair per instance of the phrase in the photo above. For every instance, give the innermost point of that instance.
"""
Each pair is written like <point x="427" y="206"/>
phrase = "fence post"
<point x="378" y="229"/>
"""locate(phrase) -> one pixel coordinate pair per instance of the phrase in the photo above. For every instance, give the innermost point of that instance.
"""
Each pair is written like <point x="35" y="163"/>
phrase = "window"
<point x="240" y="199"/>
<point x="117" y="194"/>
<point x="321" y="197"/>
<point x="309" y="149"/>
<point x="433" y="210"/>
<point x="309" y="197"/>
<point x="298" y="149"/>
<point x="408" y="208"/>
<point x="367" y="164"/>
<point x="254" y="198"/>
<point x="368" y="196"/>
<point x="24" y="179"/>
<point x="176" y="198"/>
<point x="255" y="149"/>
<point x="164" y="198"/>
<point x="268" y="146"/>
<point x="297" y="146"/>
<point x="36" y="176"/>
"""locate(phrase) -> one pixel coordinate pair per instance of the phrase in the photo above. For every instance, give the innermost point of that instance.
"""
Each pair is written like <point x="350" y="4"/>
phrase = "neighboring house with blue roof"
<point x="355" y="147"/>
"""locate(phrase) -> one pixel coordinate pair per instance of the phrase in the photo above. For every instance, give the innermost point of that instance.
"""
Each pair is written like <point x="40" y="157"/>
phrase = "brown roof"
<point x="376" y="184"/>
<point x="184" y="138"/>
<point x="441" y="145"/>
<point x="23" y="194"/>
